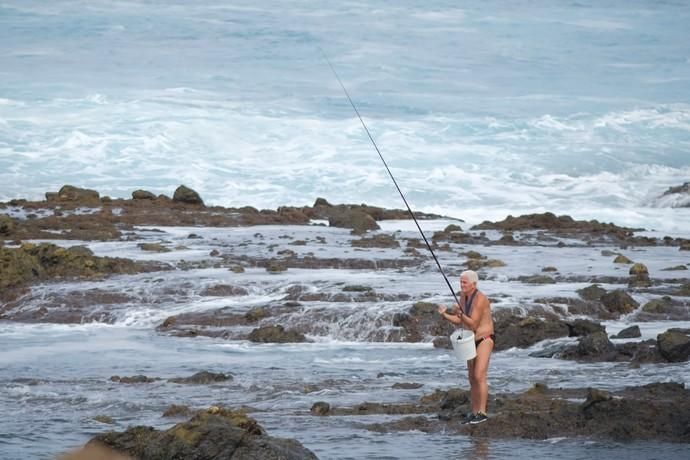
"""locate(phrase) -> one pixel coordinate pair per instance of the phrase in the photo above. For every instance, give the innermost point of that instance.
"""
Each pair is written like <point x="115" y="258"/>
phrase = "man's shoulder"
<point x="482" y="297"/>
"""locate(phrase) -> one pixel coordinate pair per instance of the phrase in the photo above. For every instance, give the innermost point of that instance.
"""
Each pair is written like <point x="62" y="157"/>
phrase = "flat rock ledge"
<point x="214" y="434"/>
<point x="654" y="412"/>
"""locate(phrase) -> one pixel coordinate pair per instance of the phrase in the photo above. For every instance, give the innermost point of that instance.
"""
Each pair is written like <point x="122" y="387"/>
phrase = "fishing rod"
<point x="391" y="174"/>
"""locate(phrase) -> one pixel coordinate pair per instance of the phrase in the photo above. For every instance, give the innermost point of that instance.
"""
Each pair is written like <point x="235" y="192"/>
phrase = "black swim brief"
<point x="480" y="340"/>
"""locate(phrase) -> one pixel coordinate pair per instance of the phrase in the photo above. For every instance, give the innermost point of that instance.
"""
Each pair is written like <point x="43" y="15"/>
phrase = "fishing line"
<point x="438" y="264"/>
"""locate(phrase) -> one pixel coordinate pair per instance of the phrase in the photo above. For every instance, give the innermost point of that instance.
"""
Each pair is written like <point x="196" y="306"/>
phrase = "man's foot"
<point x="478" y="418"/>
<point x="468" y="418"/>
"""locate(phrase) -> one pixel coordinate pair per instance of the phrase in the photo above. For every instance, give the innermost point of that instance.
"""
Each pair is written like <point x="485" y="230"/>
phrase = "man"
<point x="474" y="313"/>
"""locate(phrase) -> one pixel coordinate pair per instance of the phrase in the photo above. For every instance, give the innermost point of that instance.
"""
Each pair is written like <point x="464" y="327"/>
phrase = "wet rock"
<point x="143" y="195"/>
<point x="676" y="197"/>
<point x="175" y="410"/>
<point x="556" y="224"/>
<point x="621" y="259"/>
<point x="595" y="396"/>
<point x="7" y="226"/>
<point x="153" y="247"/>
<point x="320" y="408"/>
<point x="276" y="266"/>
<point x="674" y="346"/>
<point x="406" y="386"/>
<point x="583" y="327"/>
<point x="202" y="378"/>
<point x="549" y="269"/>
<point x="514" y="331"/>
<point x="186" y="195"/>
<point x="71" y="193"/>
<point x="276" y="334"/>
<point x="478" y="264"/>
<point x="132" y="379"/>
<point x="104" y="419"/>
<point x="421" y="321"/>
<point x="322" y="202"/>
<point x="223" y="290"/>
<point x="256" y="314"/>
<point x="358" y="221"/>
<point x="674" y="268"/>
<point x="684" y="289"/>
<point x="357" y="288"/>
<point x="39" y="262"/>
<point x="639" y="276"/>
<point x="537" y="279"/>
<point x="593" y="292"/>
<point x="631" y="332"/>
<point x="658" y="306"/>
<point x="619" y="302"/>
<point x="453" y="399"/>
<point x="651" y="412"/>
<point x="377" y="241"/>
<point x="218" y="433"/>
<point x="592" y="347"/>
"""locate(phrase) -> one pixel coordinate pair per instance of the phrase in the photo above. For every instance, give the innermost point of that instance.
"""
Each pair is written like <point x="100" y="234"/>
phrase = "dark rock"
<point x="619" y="302"/>
<point x="202" y="378"/>
<point x="276" y="266"/>
<point x="276" y="334"/>
<point x="7" y="226"/>
<point x="593" y="292"/>
<point x="153" y="247"/>
<point x="143" y="195"/>
<point x="583" y="327"/>
<point x="514" y="331"/>
<point x="478" y="264"/>
<point x="320" y="408"/>
<point x="358" y="221"/>
<point x="592" y="347"/>
<point x="639" y="276"/>
<point x="420" y="322"/>
<point x="218" y="433"/>
<point x="595" y="396"/>
<point x="377" y="241"/>
<point x="406" y="386"/>
<point x="322" y="202"/>
<point x="175" y="410"/>
<point x="223" y="290"/>
<point x="621" y="259"/>
<point x="674" y="346"/>
<point x="537" y="279"/>
<point x="71" y="193"/>
<point x="631" y="332"/>
<point x="132" y="379"/>
<point x="187" y="195"/>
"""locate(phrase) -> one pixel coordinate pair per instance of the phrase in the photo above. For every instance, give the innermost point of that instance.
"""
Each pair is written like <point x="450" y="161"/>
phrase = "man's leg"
<point x="480" y="369"/>
<point x="473" y="386"/>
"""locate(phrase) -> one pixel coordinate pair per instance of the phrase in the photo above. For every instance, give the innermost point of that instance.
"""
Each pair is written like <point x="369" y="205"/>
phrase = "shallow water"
<point x="57" y="376"/>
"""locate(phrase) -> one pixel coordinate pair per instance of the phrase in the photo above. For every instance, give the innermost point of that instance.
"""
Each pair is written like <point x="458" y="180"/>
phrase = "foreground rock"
<point x="659" y="411"/>
<point x="40" y="262"/>
<point x="217" y="433"/>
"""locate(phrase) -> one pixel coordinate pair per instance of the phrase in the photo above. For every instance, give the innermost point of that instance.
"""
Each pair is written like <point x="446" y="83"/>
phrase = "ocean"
<point x="481" y="110"/>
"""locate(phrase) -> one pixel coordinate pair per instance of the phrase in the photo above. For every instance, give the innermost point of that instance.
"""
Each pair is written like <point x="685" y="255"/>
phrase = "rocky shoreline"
<point x="651" y="412"/>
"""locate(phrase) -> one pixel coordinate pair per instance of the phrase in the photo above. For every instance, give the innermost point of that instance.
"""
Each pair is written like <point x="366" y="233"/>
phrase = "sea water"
<point x="482" y="109"/>
<point x="55" y="379"/>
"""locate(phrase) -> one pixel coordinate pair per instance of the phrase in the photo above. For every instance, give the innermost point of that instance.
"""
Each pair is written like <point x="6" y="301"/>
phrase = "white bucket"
<point x="463" y="344"/>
